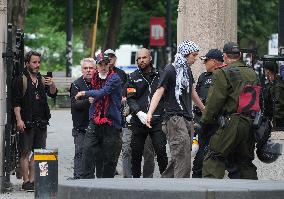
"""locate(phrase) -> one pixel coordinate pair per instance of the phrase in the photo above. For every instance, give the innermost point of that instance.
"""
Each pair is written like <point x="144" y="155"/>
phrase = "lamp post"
<point x="169" y="31"/>
<point x="281" y="27"/>
<point x="69" y="31"/>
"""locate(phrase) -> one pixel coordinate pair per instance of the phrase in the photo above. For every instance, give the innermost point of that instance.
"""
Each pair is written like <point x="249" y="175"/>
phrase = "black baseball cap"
<point x="213" y="54"/>
<point x="231" y="48"/>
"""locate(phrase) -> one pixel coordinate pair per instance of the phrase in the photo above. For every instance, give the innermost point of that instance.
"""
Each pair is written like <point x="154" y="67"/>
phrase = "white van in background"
<point x="126" y="55"/>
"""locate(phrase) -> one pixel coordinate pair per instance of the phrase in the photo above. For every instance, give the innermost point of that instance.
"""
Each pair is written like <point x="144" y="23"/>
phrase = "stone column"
<point x="209" y="23"/>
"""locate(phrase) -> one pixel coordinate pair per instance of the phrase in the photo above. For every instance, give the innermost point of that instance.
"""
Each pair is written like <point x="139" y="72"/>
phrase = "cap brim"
<point x="109" y="51"/>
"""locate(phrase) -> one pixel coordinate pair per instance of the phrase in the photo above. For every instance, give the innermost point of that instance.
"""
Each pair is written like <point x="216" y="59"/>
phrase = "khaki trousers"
<point x="178" y="131"/>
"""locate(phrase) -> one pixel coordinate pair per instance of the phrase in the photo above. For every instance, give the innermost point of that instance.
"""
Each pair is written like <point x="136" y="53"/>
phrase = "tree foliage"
<point x="45" y="25"/>
<point x="257" y="20"/>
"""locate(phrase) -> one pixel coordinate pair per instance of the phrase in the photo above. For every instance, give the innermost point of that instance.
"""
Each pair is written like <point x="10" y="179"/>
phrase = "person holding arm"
<point x="176" y="85"/>
<point x="102" y="141"/>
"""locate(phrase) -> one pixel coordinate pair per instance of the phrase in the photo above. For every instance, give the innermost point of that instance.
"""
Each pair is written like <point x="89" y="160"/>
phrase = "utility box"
<point x="46" y="173"/>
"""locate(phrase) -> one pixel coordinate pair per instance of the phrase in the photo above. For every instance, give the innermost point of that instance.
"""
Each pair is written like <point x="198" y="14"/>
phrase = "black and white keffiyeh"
<point x="181" y="67"/>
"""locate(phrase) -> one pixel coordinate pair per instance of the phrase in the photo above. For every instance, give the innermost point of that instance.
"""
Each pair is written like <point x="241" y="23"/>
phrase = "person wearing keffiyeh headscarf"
<point x="181" y="67"/>
<point x="176" y="85"/>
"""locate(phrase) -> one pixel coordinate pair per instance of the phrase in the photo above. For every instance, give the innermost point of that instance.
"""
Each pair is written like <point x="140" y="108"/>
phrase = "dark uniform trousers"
<point x="203" y="140"/>
<point x="78" y="136"/>
<point x="159" y="141"/>
<point x="235" y="139"/>
<point x="102" y="146"/>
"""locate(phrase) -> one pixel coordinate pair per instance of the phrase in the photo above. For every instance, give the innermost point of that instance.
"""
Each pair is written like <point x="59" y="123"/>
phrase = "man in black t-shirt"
<point x="176" y="85"/>
<point x="32" y="113"/>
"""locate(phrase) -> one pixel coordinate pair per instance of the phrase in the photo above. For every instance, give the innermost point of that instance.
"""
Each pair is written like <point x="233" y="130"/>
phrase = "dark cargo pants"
<point x="102" y="144"/>
<point x="235" y="139"/>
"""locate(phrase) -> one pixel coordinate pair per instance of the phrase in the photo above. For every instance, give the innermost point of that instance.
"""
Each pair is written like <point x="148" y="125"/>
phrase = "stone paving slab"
<point x="170" y="188"/>
<point x="59" y="136"/>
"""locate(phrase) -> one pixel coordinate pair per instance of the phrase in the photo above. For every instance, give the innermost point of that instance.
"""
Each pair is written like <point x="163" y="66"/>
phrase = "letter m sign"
<point x="157" y="31"/>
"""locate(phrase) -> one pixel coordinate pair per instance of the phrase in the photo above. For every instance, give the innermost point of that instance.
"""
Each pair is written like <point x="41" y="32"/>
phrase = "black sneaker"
<point x="28" y="186"/>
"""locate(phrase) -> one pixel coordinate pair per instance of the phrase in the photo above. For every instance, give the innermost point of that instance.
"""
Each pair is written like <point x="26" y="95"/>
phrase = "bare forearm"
<point x="17" y="111"/>
<point x="197" y="100"/>
<point x="156" y="99"/>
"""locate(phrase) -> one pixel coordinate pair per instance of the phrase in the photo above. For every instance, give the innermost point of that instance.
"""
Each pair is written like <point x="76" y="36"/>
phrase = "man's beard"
<point x="32" y="71"/>
<point x="146" y="67"/>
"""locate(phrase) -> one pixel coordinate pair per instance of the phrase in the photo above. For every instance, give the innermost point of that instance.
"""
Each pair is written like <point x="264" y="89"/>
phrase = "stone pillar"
<point x="208" y="23"/>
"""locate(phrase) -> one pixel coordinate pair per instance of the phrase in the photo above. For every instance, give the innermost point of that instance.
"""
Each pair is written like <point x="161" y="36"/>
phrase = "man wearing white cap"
<point x="112" y="60"/>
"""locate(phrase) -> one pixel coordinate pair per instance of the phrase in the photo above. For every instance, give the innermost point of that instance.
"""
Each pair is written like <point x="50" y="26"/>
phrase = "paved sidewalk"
<point x="59" y="136"/>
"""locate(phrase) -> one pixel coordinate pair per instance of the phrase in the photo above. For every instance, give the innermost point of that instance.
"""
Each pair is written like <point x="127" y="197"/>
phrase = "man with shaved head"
<point x="142" y="85"/>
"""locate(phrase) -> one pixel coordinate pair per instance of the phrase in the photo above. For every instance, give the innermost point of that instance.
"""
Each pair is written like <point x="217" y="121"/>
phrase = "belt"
<point x="181" y="115"/>
<point x="250" y="114"/>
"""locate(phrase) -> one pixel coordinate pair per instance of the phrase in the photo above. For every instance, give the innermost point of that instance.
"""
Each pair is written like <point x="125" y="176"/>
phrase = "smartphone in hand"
<point x="49" y="74"/>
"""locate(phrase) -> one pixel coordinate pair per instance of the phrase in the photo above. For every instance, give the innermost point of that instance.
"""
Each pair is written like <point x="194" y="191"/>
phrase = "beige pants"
<point x="178" y="131"/>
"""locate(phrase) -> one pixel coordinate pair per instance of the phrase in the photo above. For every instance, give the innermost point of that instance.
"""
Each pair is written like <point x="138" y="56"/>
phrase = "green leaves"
<point x="45" y="25"/>
<point x="257" y="20"/>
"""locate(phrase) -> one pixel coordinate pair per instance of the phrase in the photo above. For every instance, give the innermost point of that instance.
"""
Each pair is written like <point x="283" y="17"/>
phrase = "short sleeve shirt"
<point x="168" y="81"/>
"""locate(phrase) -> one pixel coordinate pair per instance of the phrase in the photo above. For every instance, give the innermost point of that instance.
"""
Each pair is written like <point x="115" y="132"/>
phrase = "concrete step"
<point x="163" y="188"/>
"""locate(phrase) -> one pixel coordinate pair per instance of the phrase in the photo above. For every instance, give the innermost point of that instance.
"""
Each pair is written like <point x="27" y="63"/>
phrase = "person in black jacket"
<point x="212" y="60"/>
<point x="80" y="111"/>
<point x="32" y="113"/>
<point x="141" y="86"/>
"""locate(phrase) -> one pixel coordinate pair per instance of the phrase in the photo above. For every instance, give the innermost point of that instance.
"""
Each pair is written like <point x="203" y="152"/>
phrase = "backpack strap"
<point x="25" y="83"/>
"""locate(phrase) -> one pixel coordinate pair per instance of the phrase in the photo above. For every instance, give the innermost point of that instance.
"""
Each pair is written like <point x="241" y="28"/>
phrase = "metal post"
<point x="46" y="173"/>
<point x="281" y="26"/>
<point x="3" y="33"/>
<point x="95" y="29"/>
<point x="69" y="31"/>
<point x="169" y="31"/>
<point x="8" y="126"/>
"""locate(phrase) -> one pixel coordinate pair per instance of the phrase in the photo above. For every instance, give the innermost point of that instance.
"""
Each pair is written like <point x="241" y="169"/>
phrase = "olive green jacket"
<point x="223" y="94"/>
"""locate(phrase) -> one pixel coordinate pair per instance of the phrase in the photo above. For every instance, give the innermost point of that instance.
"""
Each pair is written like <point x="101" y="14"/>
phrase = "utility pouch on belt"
<point x="221" y="121"/>
<point x="257" y="120"/>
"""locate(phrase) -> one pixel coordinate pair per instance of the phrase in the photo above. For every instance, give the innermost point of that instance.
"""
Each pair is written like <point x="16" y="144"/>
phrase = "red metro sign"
<point x="157" y="31"/>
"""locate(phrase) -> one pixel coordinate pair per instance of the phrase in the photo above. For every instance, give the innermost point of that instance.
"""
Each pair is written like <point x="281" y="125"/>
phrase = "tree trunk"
<point x="16" y="15"/>
<point x="113" y="27"/>
<point x="87" y="35"/>
<point x="17" y="12"/>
